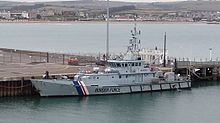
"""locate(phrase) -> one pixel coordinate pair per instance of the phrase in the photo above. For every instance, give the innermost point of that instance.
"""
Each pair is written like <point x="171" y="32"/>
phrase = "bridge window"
<point x="114" y="65"/>
<point x="136" y="64"/>
<point x="119" y="76"/>
<point x="118" y="65"/>
<point x="139" y="64"/>
<point x="123" y="65"/>
<point x="126" y="64"/>
<point x="132" y="64"/>
<point x="111" y="64"/>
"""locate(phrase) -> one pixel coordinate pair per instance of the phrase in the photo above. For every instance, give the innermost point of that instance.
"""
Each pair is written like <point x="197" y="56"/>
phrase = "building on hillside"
<point x="5" y="15"/>
<point x="19" y="15"/>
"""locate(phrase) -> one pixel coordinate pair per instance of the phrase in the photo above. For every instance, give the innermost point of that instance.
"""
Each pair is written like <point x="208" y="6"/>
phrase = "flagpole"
<point x="107" y="40"/>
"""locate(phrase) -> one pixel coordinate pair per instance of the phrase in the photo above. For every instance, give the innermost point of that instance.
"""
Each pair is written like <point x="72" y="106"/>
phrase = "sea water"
<point x="198" y="105"/>
<point x="191" y="41"/>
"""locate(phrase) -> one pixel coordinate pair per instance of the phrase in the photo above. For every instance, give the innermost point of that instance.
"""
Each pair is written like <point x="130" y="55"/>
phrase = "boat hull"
<point x="47" y="88"/>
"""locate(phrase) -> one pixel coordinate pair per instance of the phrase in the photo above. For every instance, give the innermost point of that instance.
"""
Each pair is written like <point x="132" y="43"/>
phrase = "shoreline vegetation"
<point x="100" y="22"/>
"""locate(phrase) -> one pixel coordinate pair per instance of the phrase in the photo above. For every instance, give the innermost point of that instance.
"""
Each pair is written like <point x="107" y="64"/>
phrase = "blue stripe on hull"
<point x="78" y="88"/>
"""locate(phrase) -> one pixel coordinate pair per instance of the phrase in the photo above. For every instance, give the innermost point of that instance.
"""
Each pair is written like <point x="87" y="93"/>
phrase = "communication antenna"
<point x="135" y="42"/>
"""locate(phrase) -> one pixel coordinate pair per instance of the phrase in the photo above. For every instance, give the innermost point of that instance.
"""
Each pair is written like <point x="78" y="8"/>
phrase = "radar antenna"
<point x="135" y="42"/>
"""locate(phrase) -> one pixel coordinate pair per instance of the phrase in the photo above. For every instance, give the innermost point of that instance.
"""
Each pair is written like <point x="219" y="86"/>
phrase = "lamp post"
<point x="210" y="54"/>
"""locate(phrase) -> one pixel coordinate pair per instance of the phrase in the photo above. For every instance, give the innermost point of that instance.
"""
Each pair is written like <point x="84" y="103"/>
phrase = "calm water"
<point x="184" y="40"/>
<point x="199" y="105"/>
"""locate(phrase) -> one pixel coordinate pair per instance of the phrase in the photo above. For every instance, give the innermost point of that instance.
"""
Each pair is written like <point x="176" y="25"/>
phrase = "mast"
<point x="164" y="55"/>
<point x="107" y="40"/>
<point x="135" y="42"/>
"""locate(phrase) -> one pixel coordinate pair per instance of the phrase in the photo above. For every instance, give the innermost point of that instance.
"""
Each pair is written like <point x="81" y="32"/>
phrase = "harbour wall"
<point x="25" y="56"/>
<point x="17" y="88"/>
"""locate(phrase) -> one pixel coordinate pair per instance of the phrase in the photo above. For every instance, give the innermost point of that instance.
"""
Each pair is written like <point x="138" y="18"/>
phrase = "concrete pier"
<point x="199" y="70"/>
<point x="17" y="67"/>
<point x="15" y="78"/>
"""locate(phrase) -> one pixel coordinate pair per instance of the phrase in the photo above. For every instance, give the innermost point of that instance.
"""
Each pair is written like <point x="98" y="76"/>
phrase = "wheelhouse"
<point x="124" y="64"/>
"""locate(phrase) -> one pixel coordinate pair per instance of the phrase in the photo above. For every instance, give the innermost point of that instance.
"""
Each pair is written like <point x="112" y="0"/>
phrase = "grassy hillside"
<point x="188" y="5"/>
<point x="101" y="5"/>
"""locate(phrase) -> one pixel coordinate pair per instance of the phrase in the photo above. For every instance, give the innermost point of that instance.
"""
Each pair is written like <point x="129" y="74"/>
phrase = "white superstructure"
<point x="153" y="56"/>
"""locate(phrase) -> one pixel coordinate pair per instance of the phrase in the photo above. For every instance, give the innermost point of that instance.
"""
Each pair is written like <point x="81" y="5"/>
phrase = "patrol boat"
<point x="125" y="74"/>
